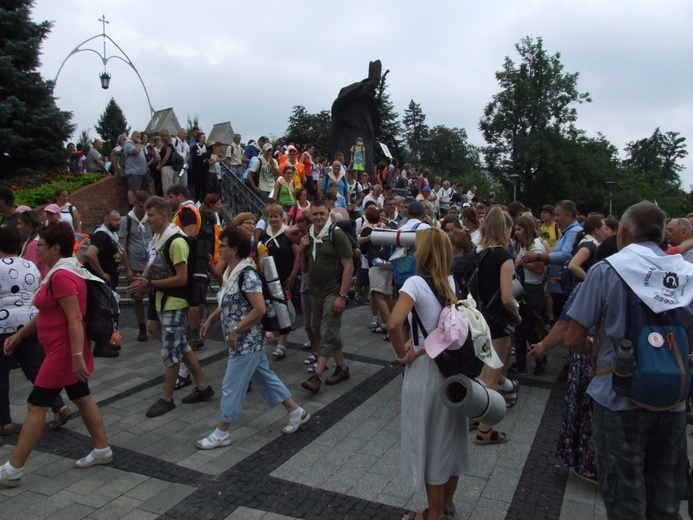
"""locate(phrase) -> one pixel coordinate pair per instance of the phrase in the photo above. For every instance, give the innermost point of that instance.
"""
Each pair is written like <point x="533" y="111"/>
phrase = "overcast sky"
<point x="249" y="63"/>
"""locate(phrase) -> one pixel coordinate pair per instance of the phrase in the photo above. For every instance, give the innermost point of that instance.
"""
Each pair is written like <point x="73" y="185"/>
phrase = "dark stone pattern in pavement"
<point x="249" y="482"/>
<point x="539" y="493"/>
<point x="74" y="445"/>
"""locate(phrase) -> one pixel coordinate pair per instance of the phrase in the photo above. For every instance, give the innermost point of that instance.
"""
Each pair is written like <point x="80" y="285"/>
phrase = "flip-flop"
<point x="61" y="420"/>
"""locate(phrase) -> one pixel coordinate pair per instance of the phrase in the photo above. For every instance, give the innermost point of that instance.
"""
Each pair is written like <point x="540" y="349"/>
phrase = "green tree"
<point x="191" y="123"/>
<point x="447" y="153"/>
<point x="111" y="124"/>
<point x="390" y="131"/>
<point x="305" y="128"/>
<point x="416" y="131"/>
<point x="85" y="140"/>
<point x="658" y="154"/>
<point x="32" y="128"/>
<point x="533" y="112"/>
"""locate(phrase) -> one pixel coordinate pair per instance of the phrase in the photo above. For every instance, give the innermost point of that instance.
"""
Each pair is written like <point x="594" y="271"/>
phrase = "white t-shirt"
<point x="378" y="202"/>
<point x="409" y="224"/>
<point x="181" y="147"/>
<point x="536" y="247"/>
<point x="426" y="304"/>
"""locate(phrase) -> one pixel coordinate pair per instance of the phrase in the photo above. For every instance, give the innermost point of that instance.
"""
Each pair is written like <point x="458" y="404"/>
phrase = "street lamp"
<point x="610" y="184"/>
<point x="105" y="77"/>
<point x="514" y="177"/>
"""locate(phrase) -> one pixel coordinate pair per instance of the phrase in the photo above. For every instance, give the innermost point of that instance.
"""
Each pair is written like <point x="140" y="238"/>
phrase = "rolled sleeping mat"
<point x="394" y="237"/>
<point x="269" y="269"/>
<point x="472" y="399"/>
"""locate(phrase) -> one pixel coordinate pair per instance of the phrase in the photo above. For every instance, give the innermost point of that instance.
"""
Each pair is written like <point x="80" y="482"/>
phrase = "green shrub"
<point x="44" y="194"/>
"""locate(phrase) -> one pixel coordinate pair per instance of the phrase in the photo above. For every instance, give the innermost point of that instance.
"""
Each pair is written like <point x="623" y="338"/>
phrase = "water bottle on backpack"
<point x="623" y="368"/>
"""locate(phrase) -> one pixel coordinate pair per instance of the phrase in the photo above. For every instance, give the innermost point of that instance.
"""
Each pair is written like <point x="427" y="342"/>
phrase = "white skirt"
<point x="435" y="439"/>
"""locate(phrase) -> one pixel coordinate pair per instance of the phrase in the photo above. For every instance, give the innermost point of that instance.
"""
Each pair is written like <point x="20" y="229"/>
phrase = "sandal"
<point x="379" y="330"/>
<point x="61" y="418"/>
<point x="473" y="425"/>
<point x="490" y="437"/>
<point x="450" y="513"/>
<point x="313" y="358"/>
<point x="182" y="382"/>
<point x="411" y="515"/>
<point x="7" y="429"/>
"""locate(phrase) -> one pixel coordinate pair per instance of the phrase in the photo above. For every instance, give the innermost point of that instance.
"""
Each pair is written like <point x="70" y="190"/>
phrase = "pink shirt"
<point x="31" y="253"/>
<point x="56" y="370"/>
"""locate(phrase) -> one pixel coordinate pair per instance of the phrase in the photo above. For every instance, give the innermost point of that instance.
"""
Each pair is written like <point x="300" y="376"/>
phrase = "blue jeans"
<point x="641" y="462"/>
<point x="29" y="354"/>
<point x="240" y="370"/>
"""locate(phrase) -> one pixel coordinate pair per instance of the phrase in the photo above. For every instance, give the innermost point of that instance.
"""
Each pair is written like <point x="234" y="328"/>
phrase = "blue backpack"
<point x="662" y="377"/>
<point x="405" y="266"/>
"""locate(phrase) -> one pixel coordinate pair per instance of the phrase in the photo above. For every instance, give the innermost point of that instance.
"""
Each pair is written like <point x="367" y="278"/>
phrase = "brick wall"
<point x="93" y="200"/>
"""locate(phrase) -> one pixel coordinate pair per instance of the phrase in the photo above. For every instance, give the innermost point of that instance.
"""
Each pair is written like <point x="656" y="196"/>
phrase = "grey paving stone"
<point x="501" y="485"/>
<point x="576" y="510"/>
<point x="148" y="489"/>
<point x="140" y="515"/>
<point x="117" y="508"/>
<point x="167" y="498"/>
<point x="72" y="512"/>
<point x="490" y="509"/>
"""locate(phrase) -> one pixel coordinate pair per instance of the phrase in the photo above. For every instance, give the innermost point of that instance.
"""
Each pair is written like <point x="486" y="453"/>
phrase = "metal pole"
<point x="105" y="59"/>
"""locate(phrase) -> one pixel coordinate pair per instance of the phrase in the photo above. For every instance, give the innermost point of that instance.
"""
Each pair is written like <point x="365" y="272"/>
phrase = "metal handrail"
<point x="236" y="196"/>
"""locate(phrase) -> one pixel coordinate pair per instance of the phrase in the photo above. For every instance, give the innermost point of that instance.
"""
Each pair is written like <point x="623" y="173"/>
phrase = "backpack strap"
<point x="416" y="324"/>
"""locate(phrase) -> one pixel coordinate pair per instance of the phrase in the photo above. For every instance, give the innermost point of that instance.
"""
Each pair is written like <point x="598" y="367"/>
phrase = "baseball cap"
<point x="266" y="146"/>
<point x="549" y="208"/>
<point x="451" y="333"/>
<point x="415" y="208"/>
<point x="52" y="208"/>
<point x="426" y="188"/>
<point x="22" y="209"/>
<point x="292" y="149"/>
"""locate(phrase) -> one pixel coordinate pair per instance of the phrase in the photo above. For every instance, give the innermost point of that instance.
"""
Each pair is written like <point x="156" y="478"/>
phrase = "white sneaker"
<point x="294" y="424"/>
<point x="211" y="442"/>
<point x="279" y="353"/>
<point x="6" y="481"/>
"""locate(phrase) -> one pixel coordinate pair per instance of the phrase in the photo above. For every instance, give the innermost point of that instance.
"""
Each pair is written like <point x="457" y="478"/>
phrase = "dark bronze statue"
<point x="355" y="115"/>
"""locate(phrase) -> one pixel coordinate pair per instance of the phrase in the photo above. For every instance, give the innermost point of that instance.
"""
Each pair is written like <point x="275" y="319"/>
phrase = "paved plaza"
<point x="343" y="464"/>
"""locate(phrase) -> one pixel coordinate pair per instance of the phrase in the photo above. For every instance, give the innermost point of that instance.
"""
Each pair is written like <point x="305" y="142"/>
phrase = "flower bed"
<point x="34" y="191"/>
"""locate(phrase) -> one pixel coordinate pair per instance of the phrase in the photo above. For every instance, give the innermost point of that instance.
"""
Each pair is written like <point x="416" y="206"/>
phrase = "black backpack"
<point x="102" y="310"/>
<point x="177" y="160"/>
<point x="347" y="225"/>
<point x="195" y="289"/>
<point x="450" y="362"/>
<point x="466" y="275"/>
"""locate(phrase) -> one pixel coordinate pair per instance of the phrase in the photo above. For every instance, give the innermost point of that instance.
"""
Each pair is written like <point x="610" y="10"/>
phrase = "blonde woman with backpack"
<point x="434" y="438"/>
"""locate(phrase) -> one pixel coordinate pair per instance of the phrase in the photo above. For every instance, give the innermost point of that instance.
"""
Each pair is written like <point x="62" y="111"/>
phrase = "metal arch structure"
<point x="105" y="58"/>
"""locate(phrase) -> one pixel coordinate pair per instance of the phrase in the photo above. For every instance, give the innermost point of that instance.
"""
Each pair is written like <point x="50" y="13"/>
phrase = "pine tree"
<point x="32" y="128"/>
<point x="390" y="132"/>
<point x="111" y="124"/>
<point x="416" y="131"/>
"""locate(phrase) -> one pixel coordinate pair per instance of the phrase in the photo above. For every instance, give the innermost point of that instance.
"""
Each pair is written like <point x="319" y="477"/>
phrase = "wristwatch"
<point x="344" y="297"/>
